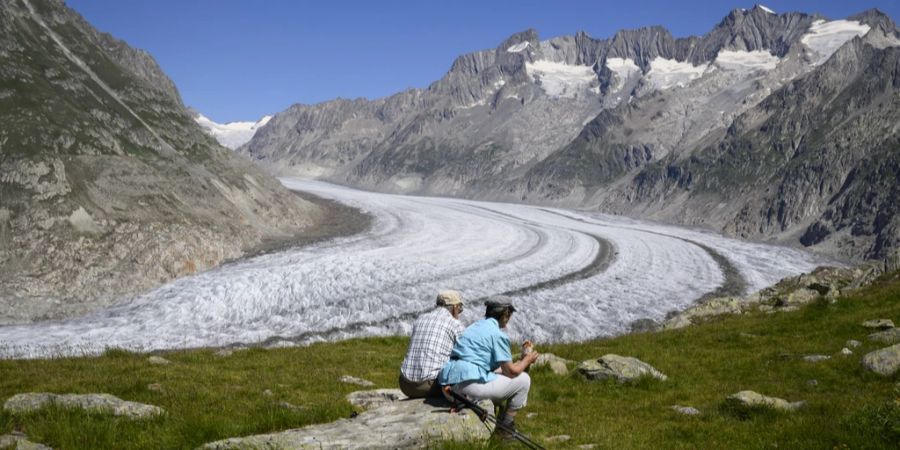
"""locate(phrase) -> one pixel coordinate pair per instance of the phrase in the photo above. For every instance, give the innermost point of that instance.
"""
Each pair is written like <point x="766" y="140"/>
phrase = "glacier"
<point x="576" y="275"/>
<point x="231" y="134"/>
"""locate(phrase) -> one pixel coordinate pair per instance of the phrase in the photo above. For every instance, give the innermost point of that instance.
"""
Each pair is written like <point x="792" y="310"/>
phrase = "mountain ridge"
<point x="504" y="123"/>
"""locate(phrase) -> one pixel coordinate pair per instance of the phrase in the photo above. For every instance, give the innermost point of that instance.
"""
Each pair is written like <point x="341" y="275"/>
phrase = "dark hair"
<point x="495" y="312"/>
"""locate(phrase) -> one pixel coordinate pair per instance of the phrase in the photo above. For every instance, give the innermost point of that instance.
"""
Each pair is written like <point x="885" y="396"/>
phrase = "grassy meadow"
<point x="209" y="397"/>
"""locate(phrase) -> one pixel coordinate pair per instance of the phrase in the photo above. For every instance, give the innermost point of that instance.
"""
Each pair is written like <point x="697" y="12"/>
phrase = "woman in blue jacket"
<point x="481" y="365"/>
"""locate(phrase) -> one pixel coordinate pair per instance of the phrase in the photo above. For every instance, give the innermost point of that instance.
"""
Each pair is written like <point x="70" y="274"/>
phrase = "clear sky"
<point x="240" y="59"/>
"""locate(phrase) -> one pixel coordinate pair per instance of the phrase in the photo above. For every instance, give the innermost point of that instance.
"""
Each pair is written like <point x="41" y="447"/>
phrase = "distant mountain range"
<point x="780" y="127"/>
<point x="107" y="185"/>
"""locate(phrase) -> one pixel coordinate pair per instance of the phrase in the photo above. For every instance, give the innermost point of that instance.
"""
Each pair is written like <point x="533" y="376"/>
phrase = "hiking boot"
<point x="505" y="428"/>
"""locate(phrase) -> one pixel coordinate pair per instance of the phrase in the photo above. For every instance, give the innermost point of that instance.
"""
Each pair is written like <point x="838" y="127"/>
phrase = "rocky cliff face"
<point x="767" y="127"/>
<point x="107" y="185"/>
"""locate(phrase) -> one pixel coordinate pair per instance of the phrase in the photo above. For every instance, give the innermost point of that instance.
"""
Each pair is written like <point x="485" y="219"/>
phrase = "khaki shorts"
<point x="427" y="388"/>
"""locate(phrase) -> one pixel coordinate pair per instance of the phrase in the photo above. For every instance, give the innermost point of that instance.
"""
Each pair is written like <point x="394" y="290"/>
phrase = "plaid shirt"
<point x="433" y="336"/>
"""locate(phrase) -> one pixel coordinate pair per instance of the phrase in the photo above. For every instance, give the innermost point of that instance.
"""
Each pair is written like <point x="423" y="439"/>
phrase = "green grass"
<point x="209" y="397"/>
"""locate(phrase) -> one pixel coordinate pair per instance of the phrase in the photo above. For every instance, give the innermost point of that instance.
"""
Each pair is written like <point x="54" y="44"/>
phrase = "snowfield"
<point x="232" y="134"/>
<point x="575" y="276"/>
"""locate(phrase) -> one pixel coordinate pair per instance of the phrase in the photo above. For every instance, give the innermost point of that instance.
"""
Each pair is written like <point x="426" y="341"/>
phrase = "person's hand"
<point x="531" y="357"/>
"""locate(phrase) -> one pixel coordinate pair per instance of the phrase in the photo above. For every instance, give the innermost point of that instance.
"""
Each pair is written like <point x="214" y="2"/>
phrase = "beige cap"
<point x="447" y="298"/>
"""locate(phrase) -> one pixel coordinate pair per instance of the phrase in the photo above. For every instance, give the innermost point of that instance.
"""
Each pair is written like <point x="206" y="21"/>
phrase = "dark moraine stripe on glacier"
<point x="734" y="284"/>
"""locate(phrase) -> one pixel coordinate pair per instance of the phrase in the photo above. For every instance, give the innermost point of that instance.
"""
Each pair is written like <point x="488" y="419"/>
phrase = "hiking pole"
<point x="488" y="418"/>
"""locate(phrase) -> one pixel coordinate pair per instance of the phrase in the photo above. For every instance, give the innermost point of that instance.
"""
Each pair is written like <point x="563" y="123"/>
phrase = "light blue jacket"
<point x="479" y="351"/>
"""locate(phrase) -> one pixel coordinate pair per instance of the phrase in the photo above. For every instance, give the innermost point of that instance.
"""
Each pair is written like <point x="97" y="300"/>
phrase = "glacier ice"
<point x="561" y="80"/>
<point x="374" y="283"/>
<point x="666" y="73"/>
<point x="825" y="37"/>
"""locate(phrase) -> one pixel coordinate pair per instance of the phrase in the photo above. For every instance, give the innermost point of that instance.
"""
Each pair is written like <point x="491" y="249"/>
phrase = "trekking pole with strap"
<point x="488" y="418"/>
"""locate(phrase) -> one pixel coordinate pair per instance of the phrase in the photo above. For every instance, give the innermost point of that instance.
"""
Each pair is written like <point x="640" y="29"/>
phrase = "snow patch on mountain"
<point x="744" y="60"/>
<point x="518" y="47"/>
<point x="231" y="134"/>
<point x="763" y="7"/>
<point x="561" y="80"/>
<point x="623" y="68"/>
<point x="667" y="73"/>
<point x="825" y="37"/>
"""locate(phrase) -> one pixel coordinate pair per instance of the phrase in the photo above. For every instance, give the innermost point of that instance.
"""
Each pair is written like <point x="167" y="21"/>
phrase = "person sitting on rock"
<point x="482" y="349"/>
<point x="433" y="336"/>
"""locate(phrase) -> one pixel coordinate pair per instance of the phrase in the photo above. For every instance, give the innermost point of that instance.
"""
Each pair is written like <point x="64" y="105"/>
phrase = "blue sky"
<point x="239" y="60"/>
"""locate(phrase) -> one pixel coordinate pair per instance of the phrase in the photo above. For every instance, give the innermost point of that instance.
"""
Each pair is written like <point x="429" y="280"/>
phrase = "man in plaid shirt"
<point x="433" y="336"/>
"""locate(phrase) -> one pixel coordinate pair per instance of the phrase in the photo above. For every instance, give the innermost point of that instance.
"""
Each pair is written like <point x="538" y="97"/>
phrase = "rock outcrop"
<point x="102" y="403"/>
<point x="824" y="283"/>
<point x="391" y="421"/>
<point x="619" y="368"/>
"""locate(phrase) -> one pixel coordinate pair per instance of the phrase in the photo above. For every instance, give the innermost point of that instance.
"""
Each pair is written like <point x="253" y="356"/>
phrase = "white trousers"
<point x="499" y="389"/>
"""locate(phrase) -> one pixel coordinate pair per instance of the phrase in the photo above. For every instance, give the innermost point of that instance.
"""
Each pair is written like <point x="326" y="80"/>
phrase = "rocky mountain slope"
<point x="107" y="185"/>
<point x="770" y="126"/>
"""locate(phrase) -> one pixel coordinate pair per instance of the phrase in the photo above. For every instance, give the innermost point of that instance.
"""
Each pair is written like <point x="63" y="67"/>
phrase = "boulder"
<point x="751" y="399"/>
<point x="102" y="403"/>
<point x="845" y="352"/>
<point x="392" y="421"/>
<point x="559" y="366"/>
<point x="18" y="441"/>
<point x="815" y="358"/>
<point x="712" y="307"/>
<point x="622" y="368"/>
<point x="883" y="362"/>
<point x="357" y="381"/>
<point x="159" y="360"/>
<point x="644" y="326"/>
<point x="852" y="343"/>
<point x="889" y="336"/>
<point x="881" y="324"/>
<point x="686" y="410"/>
<point x="803" y="296"/>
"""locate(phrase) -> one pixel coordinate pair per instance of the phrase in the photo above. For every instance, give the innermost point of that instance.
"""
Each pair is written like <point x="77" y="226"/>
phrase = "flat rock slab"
<point x="102" y="403"/>
<point x="883" y="362"/>
<point x="882" y="324"/>
<point x="889" y="336"/>
<point x="17" y="442"/>
<point x="816" y="358"/>
<point x="392" y="421"/>
<point x="751" y="399"/>
<point x="621" y="368"/>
